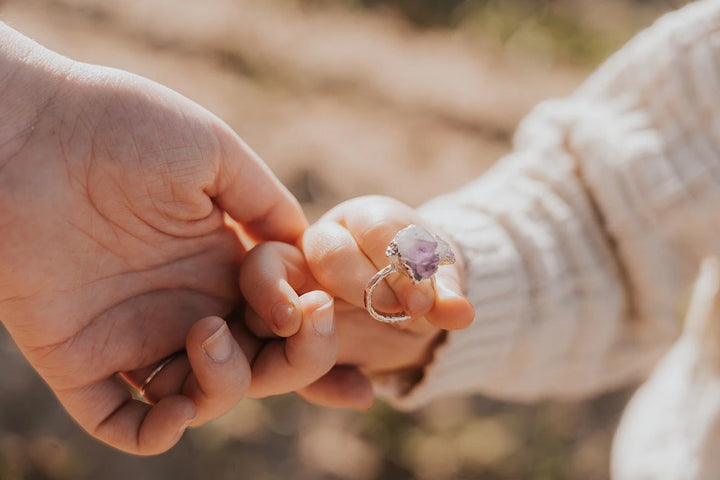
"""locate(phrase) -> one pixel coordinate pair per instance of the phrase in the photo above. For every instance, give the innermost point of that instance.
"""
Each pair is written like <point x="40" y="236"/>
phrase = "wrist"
<point x="429" y="352"/>
<point x="31" y="76"/>
<point x="400" y="382"/>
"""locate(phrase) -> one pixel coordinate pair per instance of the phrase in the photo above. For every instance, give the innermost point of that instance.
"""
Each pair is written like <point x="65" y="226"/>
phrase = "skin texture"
<point x="340" y="253"/>
<point x="120" y="208"/>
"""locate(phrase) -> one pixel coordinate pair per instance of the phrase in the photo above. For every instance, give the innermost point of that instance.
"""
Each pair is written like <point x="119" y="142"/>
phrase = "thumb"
<point x="451" y="310"/>
<point x="252" y="195"/>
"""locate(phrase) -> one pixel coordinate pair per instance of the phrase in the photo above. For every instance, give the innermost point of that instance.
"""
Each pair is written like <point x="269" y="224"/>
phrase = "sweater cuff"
<point x="543" y="281"/>
<point x="474" y="353"/>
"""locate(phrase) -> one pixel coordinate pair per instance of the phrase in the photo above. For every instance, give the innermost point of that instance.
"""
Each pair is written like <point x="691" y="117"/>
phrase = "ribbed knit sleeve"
<point x="579" y="246"/>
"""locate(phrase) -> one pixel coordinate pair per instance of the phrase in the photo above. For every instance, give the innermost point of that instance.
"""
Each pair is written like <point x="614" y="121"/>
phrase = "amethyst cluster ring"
<point x="415" y="253"/>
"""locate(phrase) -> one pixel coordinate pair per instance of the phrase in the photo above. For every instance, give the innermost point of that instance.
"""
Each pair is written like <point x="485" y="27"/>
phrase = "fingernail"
<point x="322" y="319"/>
<point x="445" y="291"/>
<point x="187" y="423"/>
<point x="282" y="314"/>
<point x="218" y="346"/>
<point x="419" y="302"/>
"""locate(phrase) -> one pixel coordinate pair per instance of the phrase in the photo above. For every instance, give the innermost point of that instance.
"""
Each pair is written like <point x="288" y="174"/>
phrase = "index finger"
<point x="245" y="187"/>
<point x="365" y="228"/>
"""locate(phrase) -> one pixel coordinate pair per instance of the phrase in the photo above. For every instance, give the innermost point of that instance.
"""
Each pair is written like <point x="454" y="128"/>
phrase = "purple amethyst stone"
<point x="418" y="251"/>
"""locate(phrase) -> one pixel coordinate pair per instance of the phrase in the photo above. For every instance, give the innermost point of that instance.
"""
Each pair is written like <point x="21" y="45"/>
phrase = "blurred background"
<point x="409" y="98"/>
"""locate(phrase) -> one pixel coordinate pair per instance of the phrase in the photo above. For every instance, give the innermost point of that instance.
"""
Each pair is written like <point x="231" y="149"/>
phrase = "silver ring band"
<point x="398" y="317"/>
<point x="415" y="253"/>
<point x="370" y="288"/>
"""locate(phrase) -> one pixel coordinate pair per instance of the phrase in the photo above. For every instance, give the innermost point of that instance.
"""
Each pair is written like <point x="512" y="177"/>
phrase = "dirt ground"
<point x="340" y="101"/>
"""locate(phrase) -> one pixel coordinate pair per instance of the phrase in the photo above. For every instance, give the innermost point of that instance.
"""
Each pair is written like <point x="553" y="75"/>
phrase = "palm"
<point x="379" y="347"/>
<point x="119" y="234"/>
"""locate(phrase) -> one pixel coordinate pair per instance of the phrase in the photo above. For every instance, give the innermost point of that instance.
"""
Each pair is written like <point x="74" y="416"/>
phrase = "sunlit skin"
<point x="340" y="253"/>
<point x="115" y="249"/>
<point x="120" y="207"/>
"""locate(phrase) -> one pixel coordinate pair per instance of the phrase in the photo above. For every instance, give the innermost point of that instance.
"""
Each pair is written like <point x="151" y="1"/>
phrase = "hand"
<point x="113" y="192"/>
<point x="342" y="252"/>
<point x="280" y="365"/>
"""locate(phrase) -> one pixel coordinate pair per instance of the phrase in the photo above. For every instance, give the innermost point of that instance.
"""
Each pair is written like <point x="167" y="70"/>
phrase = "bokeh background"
<point x="409" y="98"/>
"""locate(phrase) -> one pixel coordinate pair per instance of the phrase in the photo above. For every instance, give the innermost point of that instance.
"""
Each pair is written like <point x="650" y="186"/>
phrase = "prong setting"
<point x="415" y="253"/>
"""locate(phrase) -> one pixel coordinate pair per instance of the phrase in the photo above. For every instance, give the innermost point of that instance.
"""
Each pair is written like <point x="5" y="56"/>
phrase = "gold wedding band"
<point x="164" y="363"/>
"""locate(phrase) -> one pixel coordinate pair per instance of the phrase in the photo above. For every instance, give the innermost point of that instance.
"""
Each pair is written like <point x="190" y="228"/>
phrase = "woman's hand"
<point x="342" y="252"/>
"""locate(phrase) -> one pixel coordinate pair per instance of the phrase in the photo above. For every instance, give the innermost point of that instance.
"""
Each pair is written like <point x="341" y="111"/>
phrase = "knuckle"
<point x="327" y="254"/>
<point x="251" y="265"/>
<point x="332" y="258"/>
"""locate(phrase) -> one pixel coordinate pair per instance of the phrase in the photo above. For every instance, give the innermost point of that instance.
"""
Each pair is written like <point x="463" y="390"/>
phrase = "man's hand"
<point x="113" y="195"/>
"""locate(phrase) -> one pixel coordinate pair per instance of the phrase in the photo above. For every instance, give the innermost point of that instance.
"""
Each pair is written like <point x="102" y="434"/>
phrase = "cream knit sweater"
<point x="580" y="246"/>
